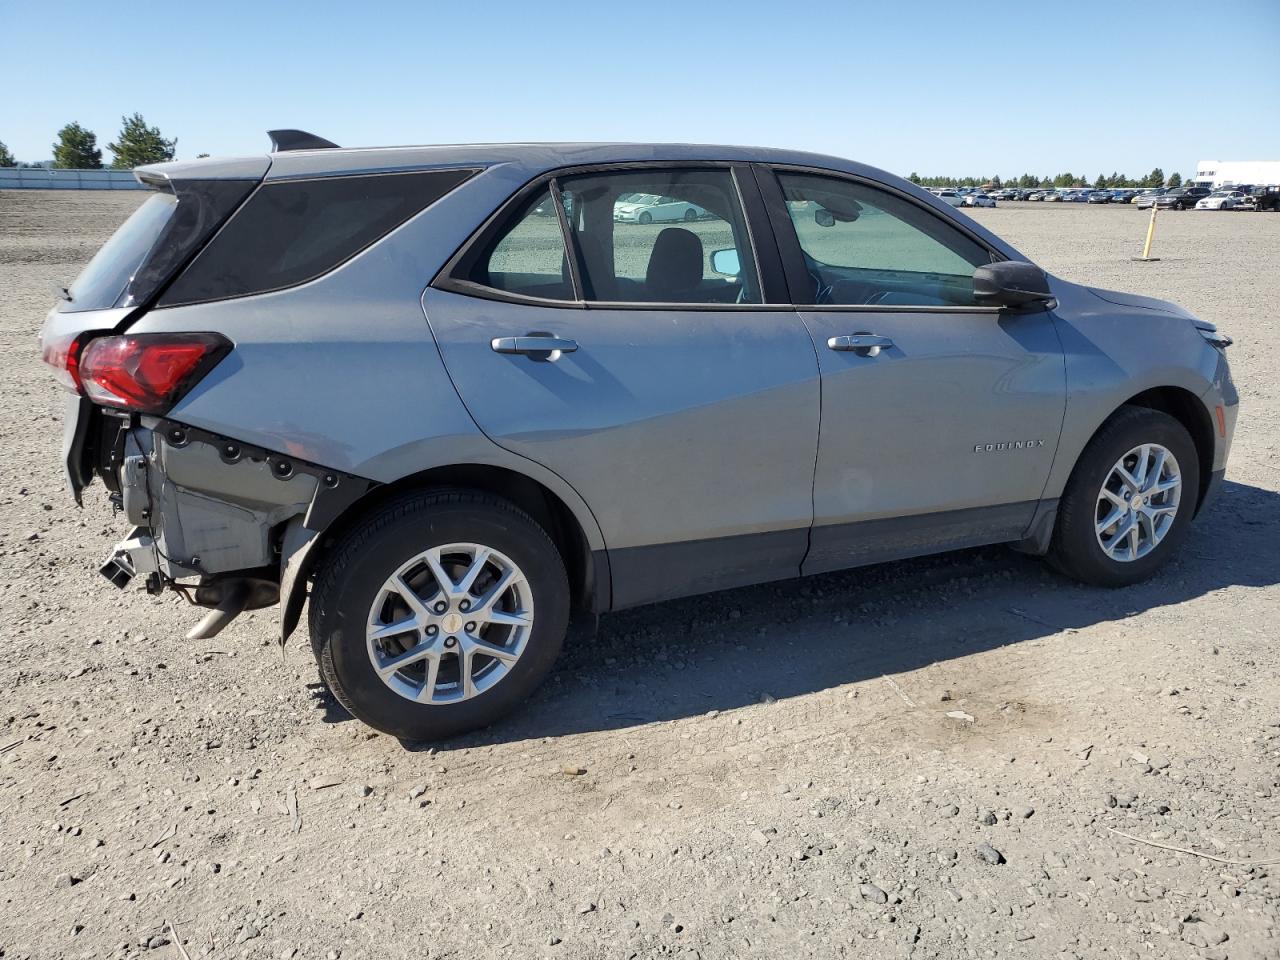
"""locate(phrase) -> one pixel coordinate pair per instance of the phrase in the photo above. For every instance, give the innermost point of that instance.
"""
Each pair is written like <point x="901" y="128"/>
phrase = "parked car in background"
<point x="1026" y="193"/>
<point x="1148" y="197"/>
<point x="1007" y="194"/>
<point x="947" y="195"/>
<point x="1052" y="196"/>
<point x="979" y="200"/>
<point x="647" y="208"/>
<point x="1261" y="199"/>
<point x="1123" y="195"/>
<point x="1101" y="196"/>
<point x="613" y="416"/>
<point x="1077" y="196"/>
<point x="1221" y="200"/>
<point x="1183" y="198"/>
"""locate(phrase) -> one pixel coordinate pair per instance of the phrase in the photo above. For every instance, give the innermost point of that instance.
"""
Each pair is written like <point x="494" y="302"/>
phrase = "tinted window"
<point x="867" y="246"/>
<point x="528" y="257"/>
<point x="649" y="236"/>
<point x="291" y="231"/>
<point x="102" y="282"/>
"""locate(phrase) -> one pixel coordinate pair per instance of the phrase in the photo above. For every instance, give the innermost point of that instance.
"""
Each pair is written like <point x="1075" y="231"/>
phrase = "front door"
<point x="680" y="407"/>
<point x="940" y="418"/>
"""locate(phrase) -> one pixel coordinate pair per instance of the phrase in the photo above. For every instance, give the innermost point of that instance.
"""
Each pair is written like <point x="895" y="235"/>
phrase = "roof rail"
<point x="283" y="140"/>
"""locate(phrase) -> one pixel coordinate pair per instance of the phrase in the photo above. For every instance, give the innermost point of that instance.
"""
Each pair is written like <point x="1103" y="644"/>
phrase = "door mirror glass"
<point x="1010" y="283"/>
<point x="726" y="262"/>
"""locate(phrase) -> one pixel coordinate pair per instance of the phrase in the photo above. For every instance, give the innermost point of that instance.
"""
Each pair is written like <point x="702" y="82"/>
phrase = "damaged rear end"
<point x="201" y="508"/>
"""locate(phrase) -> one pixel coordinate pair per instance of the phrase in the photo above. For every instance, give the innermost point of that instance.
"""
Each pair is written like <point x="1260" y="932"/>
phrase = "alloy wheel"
<point x="450" y="623"/>
<point x="1138" y="502"/>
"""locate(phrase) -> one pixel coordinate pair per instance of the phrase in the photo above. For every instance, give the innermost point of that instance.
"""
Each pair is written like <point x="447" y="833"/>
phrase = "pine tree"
<point x="6" y="158"/>
<point x="76" y="149"/>
<point x="139" y="144"/>
<point x="1154" y="179"/>
<point x="1175" y="180"/>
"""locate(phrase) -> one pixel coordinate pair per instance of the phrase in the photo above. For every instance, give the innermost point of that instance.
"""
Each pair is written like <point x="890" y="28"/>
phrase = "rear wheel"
<point x="1130" y="500"/>
<point x="645" y="218"/>
<point x="690" y="216"/>
<point x="439" y="613"/>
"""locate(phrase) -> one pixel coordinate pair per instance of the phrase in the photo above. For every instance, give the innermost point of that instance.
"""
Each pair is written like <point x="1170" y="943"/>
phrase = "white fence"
<point x="42" y="178"/>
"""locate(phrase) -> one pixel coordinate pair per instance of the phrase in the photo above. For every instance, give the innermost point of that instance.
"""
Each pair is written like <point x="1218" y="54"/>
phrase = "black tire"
<point x="646" y="218"/>
<point x="690" y="216"/>
<point x="1075" y="550"/>
<point x="355" y="569"/>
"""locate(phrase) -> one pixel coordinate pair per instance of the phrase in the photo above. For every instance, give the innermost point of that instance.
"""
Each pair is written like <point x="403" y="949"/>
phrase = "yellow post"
<point x="1151" y="232"/>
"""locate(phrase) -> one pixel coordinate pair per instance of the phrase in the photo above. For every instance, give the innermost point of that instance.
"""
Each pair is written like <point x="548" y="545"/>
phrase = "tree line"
<point x="77" y="147"/>
<point x="1155" y="178"/>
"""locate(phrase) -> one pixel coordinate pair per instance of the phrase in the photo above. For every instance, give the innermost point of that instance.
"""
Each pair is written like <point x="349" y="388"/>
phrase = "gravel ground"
<point x="936" y="758"/>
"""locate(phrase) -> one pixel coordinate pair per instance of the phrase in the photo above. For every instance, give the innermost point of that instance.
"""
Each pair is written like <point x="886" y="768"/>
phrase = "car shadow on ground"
<point x="738" y="647"/>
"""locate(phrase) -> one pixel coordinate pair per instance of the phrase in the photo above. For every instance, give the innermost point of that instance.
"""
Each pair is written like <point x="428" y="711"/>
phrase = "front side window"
<point x="865" y="246"/>
<point x="661" y="236"/>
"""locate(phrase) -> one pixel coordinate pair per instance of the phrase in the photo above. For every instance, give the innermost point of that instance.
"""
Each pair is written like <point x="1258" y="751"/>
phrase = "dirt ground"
<point x="774" y="771"/>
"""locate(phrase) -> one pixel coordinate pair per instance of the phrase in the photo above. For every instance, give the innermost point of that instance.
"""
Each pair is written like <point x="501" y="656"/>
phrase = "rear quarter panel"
<point x="343" y="371"/>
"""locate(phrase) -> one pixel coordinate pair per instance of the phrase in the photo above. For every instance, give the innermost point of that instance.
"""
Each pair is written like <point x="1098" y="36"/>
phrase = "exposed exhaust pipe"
<point x="235" y="594"/>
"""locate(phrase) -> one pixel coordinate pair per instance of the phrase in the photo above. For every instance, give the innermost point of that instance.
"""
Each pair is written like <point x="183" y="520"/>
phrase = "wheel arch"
<point x="587" y="568"/>
<point x="1185" y="407"/>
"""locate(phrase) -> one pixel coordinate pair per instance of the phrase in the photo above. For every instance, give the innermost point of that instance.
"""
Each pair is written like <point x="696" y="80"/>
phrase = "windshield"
<point x="100" y="283"/>
<point x="644" y="199"/>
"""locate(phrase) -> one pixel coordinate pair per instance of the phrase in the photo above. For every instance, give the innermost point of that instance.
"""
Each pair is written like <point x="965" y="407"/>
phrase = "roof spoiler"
<point x="283" y="140"/>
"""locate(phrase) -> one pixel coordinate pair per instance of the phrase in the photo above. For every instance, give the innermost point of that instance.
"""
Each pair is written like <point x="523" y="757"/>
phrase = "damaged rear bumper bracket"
<point x="210" y="507"/>
<point x="335" y="490"/>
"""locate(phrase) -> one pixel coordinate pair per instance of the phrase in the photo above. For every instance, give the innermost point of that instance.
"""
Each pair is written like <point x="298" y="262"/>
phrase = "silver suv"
<point x="451" y="395"/>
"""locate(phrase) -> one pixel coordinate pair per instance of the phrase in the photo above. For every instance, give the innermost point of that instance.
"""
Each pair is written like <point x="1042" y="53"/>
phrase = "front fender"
<point x="1113" y="353"/>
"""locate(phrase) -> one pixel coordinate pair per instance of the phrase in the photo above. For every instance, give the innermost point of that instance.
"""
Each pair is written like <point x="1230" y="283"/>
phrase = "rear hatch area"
<point x="187" y="205"/>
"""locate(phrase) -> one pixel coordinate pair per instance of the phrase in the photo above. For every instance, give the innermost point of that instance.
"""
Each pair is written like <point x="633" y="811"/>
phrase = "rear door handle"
<point x="534" y="346"/>
<point x="863" y="344"/>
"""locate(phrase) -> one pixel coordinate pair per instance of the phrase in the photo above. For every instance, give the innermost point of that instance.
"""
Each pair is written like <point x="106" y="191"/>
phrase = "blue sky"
<point x="939" y="88"/>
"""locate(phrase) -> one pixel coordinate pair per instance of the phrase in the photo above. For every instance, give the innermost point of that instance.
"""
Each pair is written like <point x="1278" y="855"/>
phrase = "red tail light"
<point x="147" y="372"/>
<point x="63" y="354"/>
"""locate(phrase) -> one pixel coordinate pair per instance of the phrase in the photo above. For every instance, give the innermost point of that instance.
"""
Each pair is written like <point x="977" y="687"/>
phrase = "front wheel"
<point x="1130" y="500"/>
<point x="439" y="613"/>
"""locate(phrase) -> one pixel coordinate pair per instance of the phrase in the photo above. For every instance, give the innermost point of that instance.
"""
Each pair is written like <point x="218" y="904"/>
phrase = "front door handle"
<point x="534" y="346"/>
<point x="863" y="344"/>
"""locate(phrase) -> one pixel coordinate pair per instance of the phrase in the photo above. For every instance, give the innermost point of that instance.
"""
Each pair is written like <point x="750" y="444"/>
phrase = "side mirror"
<point x="726" y="262"/>
<point x="1011" y="283"/>
<point x="824" y="218"/>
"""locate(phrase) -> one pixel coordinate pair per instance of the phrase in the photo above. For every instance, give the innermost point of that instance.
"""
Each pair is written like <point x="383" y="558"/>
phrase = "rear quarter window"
<point x="292" y="231"/>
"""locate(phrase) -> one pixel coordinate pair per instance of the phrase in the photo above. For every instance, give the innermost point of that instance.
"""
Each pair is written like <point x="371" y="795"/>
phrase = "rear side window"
<point x="527" y="259"/>
<point x="292" y="231"/>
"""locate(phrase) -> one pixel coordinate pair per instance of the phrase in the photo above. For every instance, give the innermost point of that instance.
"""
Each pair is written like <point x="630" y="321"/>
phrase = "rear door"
<point x="940" y="418"/>
<point x="681" y="404"/>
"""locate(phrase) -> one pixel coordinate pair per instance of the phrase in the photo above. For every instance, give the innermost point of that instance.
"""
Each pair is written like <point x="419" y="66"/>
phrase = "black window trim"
<point x="788" y="242"/>
<point x="768" y="262"/>
<point x="467" y="171"/>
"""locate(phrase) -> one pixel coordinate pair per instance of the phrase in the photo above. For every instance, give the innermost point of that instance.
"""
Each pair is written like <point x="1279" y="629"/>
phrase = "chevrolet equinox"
<point x="453" y="393"/>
